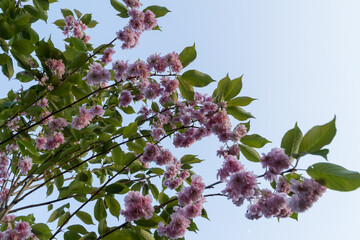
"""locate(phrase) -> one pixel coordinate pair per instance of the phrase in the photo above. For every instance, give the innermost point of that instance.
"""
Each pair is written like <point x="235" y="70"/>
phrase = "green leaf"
<point x="186" y="90"/>
<point x="113" y="206"/>
<point x="63" y="219"/>
<point x="41" y="4"/>
<point x="78" y="229"/>
<point x="150" y="223"/>
<point x="78" y="44"/>
<point x="117" y="188"/>
<point x="318" y="137"/>
<point x="7" y="31"/>
<point x="60" y="23"/>
<point x="157" y="10"/>
<point x="79" y="60"/>
<point x="118" y="6"/>
<point x="92" y="24"/>
<point x="190" y="159"/>
<point x="66" y="12"/>
<point x="254" y="140"/>
<point x="196" y="78"/>
<point x="23" y="46"/>
<point x="56" y="214"/>
<point x="42" y="231"/>
<point x="187" y="55"/>
<point x="221" y="89"/>
<point x="250" y="153"/>
<point x="78" y="13"/>
<point x="234" y="88"/>
<point x="130" y="130"/>
<point x="334" y="176"/>
<point x="239" y="113"/>
<point x="36" y="13"/>
<point x="85" y="217"/>
<point x="99" y="210"/>
<point x="86" y="18"/>
<point x="291" y="140"/>
<point x="240" y="101"/>
<point x="8" y="69"/>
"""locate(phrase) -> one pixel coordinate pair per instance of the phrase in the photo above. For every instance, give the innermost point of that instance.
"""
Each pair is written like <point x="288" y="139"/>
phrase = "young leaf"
<point x="318" y="137"/>
<point x="291" y="140"/>
<point x="196" y="78"/>
<point x="254" y="140"/>
<point x="239" y="113"/>
<point x="187" y="55"/>
<point x="250" y="153"/>
<point x="157" y="10"/>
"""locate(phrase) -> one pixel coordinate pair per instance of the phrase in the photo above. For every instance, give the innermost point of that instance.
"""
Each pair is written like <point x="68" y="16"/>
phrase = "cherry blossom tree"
<point x="95" y="130"/>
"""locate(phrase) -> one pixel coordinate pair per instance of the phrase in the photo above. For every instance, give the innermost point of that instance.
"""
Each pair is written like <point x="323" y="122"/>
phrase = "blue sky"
<point x="300" y="59"/>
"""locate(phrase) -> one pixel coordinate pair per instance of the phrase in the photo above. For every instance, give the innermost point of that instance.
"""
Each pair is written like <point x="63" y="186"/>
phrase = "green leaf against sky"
<point x="334" y="176"/>
<point x="187" y="55"/>
<point x="318" y="137"/>
<point x="291" y="140"/>
<point x="196" y="78"/>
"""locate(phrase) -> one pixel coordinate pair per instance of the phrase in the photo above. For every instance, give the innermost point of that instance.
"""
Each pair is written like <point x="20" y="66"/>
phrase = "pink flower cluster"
<point x="173" y="176"/>
<point x="97" y="75"/>
<point x="132" y="3"/>
<point x="25" y="165"/>
<point x="305" y="194"/>
<point x="57" y="67"/>
<point x="107" y="57"/>
<point x="85" y="116"/>
<point x="276" y="161"/>
<point x="4" y="163"/>
<point x="14" y="124"/>
<point x="139" y="22"/>
<point x="137" y="206"/>
<point x="57" y="124"/>
<point x="192" y="200"/>
<point x="230" y="166"/>
<point x="21" y="231"/>
<point x="159" y="64"/>
<point x="269" y="205"/>
<point x="241" y="185"/>
<point x="77" y="28"/>
<point x="125" y="98"/>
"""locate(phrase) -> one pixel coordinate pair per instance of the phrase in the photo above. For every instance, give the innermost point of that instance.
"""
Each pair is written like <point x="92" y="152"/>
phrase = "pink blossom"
<point x="137" y="206"/>
<point x="57" y="67"/>
<point x="58" y="124"/>
<point x="3" y="194"/>
<point x="241" y="185"/>
<point x="132" y="3"/>
<point x="164" y="157"/>
<point x="23" y="229"/>
<point x="97" y="74"/>
<point x="43" y="103"/>
<point x="173" y="61"/>
<point x="151" y="152"/>
<point x="276" y="160"/>
<point x="25" y="165"/>
<point x="193" y="193"/>
<point x="176" y="228"/>
<point x="97" y="110"/>
<point x="306" y="193"/>
<point x="156" y="62"/>
<point x="150" y="22"/>
<point x="54" y="141"/>
<point x="125" y="98"/>
<point x="107" y="57"/>
<point x="120" y="68"/>
<point x="40" y="143"/>
<point x="129" y="37"/>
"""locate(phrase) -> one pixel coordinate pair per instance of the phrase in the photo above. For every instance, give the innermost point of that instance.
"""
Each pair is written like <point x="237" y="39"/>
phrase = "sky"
<point x="300" y="59"/>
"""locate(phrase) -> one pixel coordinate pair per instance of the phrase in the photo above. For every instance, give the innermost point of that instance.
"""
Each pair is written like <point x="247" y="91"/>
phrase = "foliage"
<point x="67" y="129"/>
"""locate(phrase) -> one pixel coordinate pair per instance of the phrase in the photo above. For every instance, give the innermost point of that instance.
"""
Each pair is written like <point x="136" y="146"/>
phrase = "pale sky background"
<point x="299" y="58"/>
